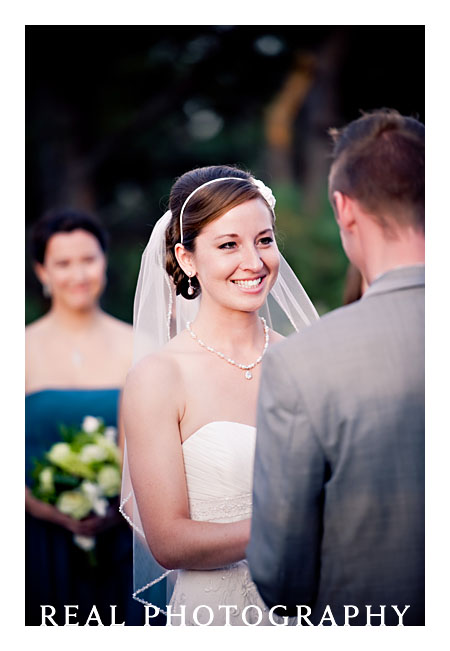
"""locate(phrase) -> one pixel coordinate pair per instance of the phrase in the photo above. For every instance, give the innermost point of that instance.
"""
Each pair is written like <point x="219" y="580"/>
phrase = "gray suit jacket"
<point x="338" y="503"/>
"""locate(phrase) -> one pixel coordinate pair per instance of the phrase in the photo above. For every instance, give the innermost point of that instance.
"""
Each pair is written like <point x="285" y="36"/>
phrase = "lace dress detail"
<point x="228" y="508"/>
<point x="218" y="461"/>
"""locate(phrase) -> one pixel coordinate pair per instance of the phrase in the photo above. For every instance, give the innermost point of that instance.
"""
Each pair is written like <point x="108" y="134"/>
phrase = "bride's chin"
<point x="253" y="303"/>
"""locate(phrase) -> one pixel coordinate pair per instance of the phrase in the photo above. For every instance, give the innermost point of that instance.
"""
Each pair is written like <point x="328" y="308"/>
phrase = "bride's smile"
<point x="251" y="285"/>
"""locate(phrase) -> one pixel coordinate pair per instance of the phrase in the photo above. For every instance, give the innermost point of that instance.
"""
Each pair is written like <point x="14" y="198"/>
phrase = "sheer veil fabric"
<point x="158" y="316"/>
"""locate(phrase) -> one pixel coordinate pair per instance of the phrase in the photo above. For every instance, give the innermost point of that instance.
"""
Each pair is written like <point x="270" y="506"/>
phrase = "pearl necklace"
<point x="243" y="367"/>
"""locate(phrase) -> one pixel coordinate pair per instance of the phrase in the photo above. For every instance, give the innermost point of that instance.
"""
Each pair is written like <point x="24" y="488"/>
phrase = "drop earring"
<point x="46" y="290"/>
<point x="190" y="290"/>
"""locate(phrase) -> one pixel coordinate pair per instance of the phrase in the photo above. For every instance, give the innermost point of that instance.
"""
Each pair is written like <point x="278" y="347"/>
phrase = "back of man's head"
<point x="379" y="160"/>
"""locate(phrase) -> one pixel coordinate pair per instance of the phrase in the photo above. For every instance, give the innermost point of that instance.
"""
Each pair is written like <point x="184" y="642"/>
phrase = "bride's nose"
<point x="251" y="259"/>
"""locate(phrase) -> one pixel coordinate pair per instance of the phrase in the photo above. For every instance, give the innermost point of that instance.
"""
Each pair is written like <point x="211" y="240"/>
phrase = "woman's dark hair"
<point x="64" y="222"/>
<point x="205" y="206"/>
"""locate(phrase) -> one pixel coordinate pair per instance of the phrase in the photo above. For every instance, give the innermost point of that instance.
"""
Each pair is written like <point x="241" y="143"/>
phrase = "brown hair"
<point x="65" y="221"/>
<point x="205" y="206"/>
<point x="379" y="159"/>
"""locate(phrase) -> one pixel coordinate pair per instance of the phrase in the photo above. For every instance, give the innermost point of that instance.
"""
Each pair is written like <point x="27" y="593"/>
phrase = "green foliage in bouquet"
<point x="82" y="472"/>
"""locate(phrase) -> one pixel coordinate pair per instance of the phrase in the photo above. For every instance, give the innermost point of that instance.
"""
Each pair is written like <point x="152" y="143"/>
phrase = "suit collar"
<point x="398" y="278"/>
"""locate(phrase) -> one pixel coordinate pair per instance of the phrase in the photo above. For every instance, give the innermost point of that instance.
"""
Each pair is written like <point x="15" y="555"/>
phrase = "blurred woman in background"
<point x="77" y="358"/>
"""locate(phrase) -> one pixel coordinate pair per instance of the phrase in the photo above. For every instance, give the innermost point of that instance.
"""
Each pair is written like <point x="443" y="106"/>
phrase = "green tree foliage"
<point x="116" y="113"/>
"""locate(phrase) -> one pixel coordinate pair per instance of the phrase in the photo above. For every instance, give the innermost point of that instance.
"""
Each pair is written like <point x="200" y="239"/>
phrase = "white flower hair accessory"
<point x="266" y="192"/>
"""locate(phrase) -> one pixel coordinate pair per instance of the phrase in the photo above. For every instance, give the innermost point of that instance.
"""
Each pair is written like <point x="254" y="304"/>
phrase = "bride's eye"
<point x="227" y="245"/>
<point x="266" y="240"/>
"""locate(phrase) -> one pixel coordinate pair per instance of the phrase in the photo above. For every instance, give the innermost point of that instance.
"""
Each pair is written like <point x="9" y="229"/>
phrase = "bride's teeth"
<point x="248" y="283"/>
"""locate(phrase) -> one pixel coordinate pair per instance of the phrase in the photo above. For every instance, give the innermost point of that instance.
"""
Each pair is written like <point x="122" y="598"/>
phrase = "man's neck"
<point x="407" y="249"/>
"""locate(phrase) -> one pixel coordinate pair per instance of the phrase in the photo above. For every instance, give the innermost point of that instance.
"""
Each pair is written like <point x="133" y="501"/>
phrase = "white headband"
<point x="264" y="190"/>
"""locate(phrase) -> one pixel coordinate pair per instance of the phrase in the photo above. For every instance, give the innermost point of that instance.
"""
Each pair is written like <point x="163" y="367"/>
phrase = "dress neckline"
<point x="70" y="390"/>
<point x="216" y="422"/>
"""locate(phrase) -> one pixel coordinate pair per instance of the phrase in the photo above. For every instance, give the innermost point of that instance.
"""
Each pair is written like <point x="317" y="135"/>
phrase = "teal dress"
<point x="57" y="572"/>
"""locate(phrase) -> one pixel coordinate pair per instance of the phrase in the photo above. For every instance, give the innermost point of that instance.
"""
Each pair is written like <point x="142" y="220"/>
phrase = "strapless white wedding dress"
<point x="218" y="460"/>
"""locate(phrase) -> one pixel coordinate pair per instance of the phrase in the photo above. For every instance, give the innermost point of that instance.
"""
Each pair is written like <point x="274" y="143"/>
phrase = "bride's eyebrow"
<point x="226" y="235"/>
<point x="234" y="235"/>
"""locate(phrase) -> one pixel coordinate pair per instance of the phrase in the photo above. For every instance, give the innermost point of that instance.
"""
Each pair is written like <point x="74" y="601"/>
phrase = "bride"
<point x="189" y="403"/>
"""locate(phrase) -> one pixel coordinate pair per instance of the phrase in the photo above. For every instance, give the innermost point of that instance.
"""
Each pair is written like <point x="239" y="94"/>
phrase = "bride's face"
<point x="236" y="258"/>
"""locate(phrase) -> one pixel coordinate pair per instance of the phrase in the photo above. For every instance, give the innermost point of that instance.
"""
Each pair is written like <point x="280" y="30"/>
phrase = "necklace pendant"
<point x="248" y="373"/>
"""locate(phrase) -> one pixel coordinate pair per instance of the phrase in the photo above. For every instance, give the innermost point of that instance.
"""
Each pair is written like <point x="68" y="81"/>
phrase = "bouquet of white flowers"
<point x="81" y="474"/>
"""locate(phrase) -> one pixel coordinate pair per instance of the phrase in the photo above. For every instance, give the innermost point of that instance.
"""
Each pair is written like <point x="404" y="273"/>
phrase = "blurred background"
<point x="115" y="113"/>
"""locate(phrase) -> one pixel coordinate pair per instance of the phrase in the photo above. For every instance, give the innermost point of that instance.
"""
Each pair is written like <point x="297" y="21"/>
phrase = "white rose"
<point x="109" y="481"/>
<point x="90" y="489"/>
<point x="92" y="452"/>
<point x="87" y="543"/>
<point x="110" y="434"/>
<point x="94" y="493"/>
<point x="46" y="480"/>
<point x="110" y="448"/>
<point x="100" y="507"/>
<point x="59" y="452"/>
<point x="74" y="503"/>
<point x="90" y="424"/>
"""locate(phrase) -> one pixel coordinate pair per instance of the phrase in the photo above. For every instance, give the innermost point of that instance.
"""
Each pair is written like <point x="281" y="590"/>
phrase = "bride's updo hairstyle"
<point x="206" y="205"/>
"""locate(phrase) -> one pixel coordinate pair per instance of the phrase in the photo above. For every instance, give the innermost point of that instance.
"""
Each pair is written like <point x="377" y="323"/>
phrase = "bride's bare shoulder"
<point x="159" y="365"/>
<point x="162" y="368"/>
<point x="154" y="389"/>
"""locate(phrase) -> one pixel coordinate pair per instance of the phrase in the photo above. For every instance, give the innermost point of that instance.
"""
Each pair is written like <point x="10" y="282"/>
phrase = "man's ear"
<point x="344" y="210"/>
<point x="184" y="258"/>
